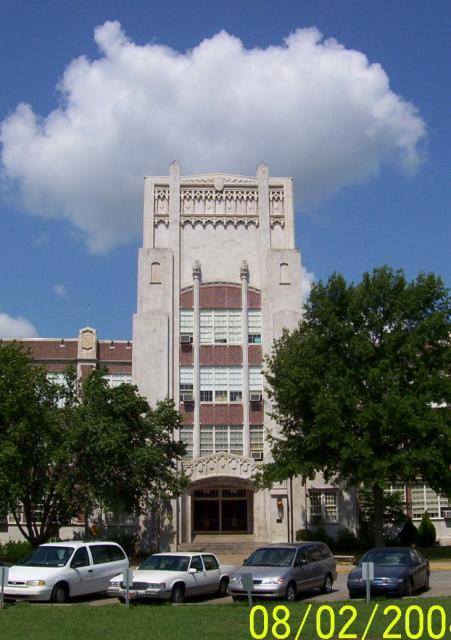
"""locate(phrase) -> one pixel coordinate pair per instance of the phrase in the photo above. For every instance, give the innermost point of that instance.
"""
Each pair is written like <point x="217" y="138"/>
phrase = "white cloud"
<point x="307" y="280"/>
<point x="309" y="107"/>
<point x="16" y="327"/>
<point x="60" y="290"/>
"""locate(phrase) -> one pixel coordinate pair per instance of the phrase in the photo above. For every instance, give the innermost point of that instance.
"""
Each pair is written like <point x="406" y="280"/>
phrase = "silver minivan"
<point x="284" y="570"/>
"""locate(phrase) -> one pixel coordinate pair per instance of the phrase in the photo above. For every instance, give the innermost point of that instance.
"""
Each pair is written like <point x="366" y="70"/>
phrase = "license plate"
<point x="132" y="594"/>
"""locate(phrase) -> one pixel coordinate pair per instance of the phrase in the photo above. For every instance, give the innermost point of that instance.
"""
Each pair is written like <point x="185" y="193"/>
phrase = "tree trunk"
<point x="378" y="499"/>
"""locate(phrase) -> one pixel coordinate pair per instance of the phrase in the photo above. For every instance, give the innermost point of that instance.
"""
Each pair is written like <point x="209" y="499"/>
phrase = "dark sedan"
<point x="397" y="571"/>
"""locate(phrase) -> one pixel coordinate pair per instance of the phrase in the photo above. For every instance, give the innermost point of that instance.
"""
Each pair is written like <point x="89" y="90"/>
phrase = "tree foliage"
<point x="362" y="388"/>
<point x="66" y="450"/>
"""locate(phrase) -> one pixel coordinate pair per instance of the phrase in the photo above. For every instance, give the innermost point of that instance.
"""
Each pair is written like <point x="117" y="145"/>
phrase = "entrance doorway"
<point x="221" y="510"/>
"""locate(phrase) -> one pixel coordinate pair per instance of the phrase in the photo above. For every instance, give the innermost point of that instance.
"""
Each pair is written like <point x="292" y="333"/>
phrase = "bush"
<point x="319" y="534"/>
<point x="426" y="532"/>
<point x="346" y="540"/>
<point x="13" y="552"/>
<point x="409" y="533"/>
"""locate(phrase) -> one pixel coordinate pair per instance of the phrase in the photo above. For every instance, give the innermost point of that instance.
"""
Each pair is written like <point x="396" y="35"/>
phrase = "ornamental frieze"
<point x="220" y="464"/>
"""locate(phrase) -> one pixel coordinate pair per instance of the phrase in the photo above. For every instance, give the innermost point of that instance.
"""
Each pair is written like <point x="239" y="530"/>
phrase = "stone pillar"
<point x="174" y="243"/>
<point x="148" y="215"/>
<point x="244" y="273"/>
<point x="197" y="275"/>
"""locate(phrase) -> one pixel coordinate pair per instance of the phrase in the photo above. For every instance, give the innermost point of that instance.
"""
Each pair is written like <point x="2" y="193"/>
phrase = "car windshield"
<point x="381" y="556"/>
<point x="166" y="563"/>
<point x="49" y="557"/>
<point x="271" y="557"/>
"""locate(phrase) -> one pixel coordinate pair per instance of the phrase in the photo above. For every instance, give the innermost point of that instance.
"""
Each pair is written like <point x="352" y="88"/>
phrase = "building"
<point x="219" y="278"/>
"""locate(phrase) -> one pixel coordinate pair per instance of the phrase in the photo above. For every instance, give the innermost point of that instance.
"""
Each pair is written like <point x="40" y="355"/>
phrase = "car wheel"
<point x="408" y="588"/>
<point x="291" y="593"/>
<point x="236" y="598"/>
<point x="353" y="596"/>
<point x="177" y="594"/>
<point x="327" y="584"/>
<point x="121" y="600"/>
<point x="222" y="590"/>
<point x="59" y="594"/>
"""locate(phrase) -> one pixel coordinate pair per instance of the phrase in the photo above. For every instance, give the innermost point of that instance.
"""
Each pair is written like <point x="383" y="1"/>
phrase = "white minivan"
<point x="56" y="571"/>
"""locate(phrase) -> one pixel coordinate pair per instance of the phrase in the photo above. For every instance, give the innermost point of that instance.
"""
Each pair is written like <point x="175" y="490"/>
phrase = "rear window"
<point x="115" y="553"/>
<point x="210" y="563"/>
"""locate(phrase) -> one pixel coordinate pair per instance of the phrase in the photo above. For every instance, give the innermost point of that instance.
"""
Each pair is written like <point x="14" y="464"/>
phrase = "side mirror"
<point x="301" y="562"/>
<point x="192" y="570"/>
<point x="75" y="564"/>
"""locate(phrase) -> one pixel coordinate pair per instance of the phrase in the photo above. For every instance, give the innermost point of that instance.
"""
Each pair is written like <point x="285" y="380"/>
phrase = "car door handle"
<point x="90" y="570"/>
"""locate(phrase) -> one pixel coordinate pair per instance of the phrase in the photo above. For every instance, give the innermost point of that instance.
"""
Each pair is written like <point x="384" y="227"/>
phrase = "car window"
<point x="100" y="553"/>
<point x="81" y="558"/>
<point x="415" y="557"/>
<point x="271" y="557"/>
<point x="314" y="553"/>
<point x="115" y="553"/>
<point x="210" y="563"/>
<point x="325" y="552"/>
<point x="49" y="556"/>
<point x="387" y="557"/>
<point x="301" y="556"/>
<point x="166" y="563"/>
<point x="196" y="563"/>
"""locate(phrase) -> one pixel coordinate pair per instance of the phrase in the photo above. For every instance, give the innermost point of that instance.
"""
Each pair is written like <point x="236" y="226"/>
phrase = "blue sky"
<point x="363" y="124"/>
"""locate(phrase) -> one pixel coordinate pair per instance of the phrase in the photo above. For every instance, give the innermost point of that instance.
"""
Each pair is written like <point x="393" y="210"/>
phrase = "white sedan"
<point x="174" y="576"/>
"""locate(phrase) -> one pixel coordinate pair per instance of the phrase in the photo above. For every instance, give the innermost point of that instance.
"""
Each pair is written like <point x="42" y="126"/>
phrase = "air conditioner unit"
<point x="186" y="338"/>
<point x="255" y="396"/>
<point x="257" y="455"/>
<point x="186" y="397"/>
<point x="446" y="513"/>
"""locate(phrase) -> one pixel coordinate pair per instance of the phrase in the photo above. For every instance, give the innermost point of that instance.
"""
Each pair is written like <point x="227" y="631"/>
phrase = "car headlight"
<point x="235" y="579"/>
<point x="273" y="581"/>
<point x="358" y="580"/>
<point x="35" y="583"/>
<point x="156" y="585"/>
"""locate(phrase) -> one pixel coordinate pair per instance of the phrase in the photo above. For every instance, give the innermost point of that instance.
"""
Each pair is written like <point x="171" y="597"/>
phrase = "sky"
<point x="350" y="98"/>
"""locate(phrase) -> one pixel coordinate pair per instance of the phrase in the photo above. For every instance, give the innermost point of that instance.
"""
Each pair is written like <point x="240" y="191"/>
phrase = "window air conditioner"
<point x="446" y="513"/>
<point x="257" y="455"/>
<point x="186" y="338"/>
<point x="255" y="396"/>
<point x="186" y="397"/>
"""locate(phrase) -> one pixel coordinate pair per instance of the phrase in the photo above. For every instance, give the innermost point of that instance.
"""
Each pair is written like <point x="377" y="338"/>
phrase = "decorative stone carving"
<point x="197" y="273"/>
<point x="220" y="464"/>
<point x="161" y="201"/>
<point x="244" y="270"/>
<point x="216" y="221"/>
<point x="87" y="343"/>
<point x="211" y="177"/>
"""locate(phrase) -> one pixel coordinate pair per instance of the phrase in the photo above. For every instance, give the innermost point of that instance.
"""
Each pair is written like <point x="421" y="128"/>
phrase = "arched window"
<point x="155" y="273"/>
<point x="284" y="275"/>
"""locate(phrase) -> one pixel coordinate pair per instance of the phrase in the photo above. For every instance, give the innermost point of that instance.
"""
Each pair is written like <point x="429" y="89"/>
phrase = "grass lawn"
<point x="200" y="621"/>
<point x="436" y="553"/>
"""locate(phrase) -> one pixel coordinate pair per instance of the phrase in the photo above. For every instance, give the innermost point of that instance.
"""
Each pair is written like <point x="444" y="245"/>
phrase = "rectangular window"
<point x="425" y="499"/>
<point x="217" y="438"/>
<point x="221" y="384"/>
<point x="186" y="381"/>
<point x="220" y="326"/>
<point x="254" y="326"/>
<point x="186" y="436"/>
<point x="186" y="321"/>
<point x="256" y="437"/>
<point x="255" y="379"/>
<point x="323" y="505"/>
<point x="116" y="379"/>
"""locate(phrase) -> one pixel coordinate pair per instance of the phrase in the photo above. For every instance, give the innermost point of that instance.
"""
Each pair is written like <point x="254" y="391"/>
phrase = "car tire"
<point x="427" y="585"/>
<point x="121" y="600"/>
<point x="408" y="589"/>
<point x="60" y="594"/>
<point x="327" y="584"/>
<point x="353" y="596"/>
<point x="222" y="590"/>
<point x="291" y="592"/>
<point x="177" y="594"/>
<point x="236" y="598"/>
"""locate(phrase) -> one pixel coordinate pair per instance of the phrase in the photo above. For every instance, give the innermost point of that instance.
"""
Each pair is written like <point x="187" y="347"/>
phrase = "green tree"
<point x="36" y="462"/>
<point x="362" y="388"/>
<point x="66" y="450"/>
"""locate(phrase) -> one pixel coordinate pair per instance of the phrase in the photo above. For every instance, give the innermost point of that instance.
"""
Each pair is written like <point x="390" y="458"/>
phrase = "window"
<point x="425" y="499"/>
<point x="186" y="381"/>
<point x="284" y="273"/>
<point x="186" y="321"/>
<point x="57" y="378"/>
<point x="323" y="505"/>
<point x="314" y="553"/>
<point x="155" y="273"/>
<point x="221" y="384"/>
<point x="196" y="563"/>
<point x="254" y="327"/>
<point x="99" y="553"/>
<point x="217" y="438"/>
<point x="220" y="326"/>
<point x="116" y="553"/>
<point x="116" y="379"/>
<point x="81" y="558"/>
<point x="186" y="436"/>
<point x="256" y="437"/>
<point x="210" y="562"/>
<point x="255" y="379"/>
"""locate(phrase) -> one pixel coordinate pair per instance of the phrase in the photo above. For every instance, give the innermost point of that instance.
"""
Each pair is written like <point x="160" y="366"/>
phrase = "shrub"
<point x="318" y="534"/>
<point x="426" y="532"/>
<point x="409" y="533"/>
<point x="346" y="540"/>
<point x="14" y="552"/>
